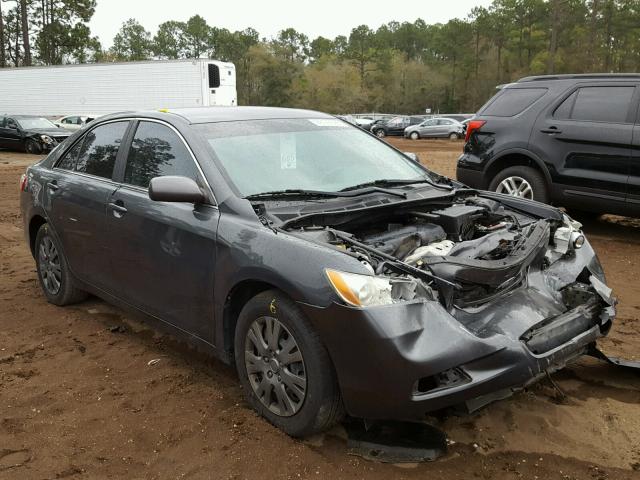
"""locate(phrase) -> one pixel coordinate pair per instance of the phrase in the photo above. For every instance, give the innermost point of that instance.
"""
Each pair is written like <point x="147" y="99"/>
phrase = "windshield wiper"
<point x="293" y="192"/>
<point x="387" y="183"/>
<point x="321" y="193"/>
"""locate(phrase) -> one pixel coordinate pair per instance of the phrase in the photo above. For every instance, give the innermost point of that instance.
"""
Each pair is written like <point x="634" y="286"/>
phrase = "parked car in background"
<point x="435" y="128"/>
<point x="75" y="122"/>
<point x="458" y="117"/>
<point x="362" y="123"/>
<point x="395" y="126"/>
<point x="30" y="134"/>
<point x="571" y="140"/>
<point x="338" y="276"/>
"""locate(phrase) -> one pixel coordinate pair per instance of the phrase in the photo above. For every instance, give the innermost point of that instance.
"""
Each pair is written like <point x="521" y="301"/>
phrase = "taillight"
<point x="473" y="125"/>
<point x="24" y="182"/>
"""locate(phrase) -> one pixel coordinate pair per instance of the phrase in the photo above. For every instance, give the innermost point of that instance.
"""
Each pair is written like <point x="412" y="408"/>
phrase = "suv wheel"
<point x="414" y="135"/>
<point x="520" y="181"/>
<point x="380" y="133"/>
<point x="53" y="271"/>
<point x="283" y="366"/>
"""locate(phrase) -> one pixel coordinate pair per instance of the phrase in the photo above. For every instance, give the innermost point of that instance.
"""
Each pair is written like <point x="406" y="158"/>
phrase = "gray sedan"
<point x="435" y="128"/>
<point x="337" y="274"/>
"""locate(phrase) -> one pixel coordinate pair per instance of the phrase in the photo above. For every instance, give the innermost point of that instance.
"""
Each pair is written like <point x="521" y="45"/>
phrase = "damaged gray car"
<point x="338" y="274"/>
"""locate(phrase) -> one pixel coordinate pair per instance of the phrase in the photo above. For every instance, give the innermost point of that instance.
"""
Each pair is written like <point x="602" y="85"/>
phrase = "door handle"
<point x="551" y="130"/>
<point x="53" y="186"/>
<point x="117" y="208"/>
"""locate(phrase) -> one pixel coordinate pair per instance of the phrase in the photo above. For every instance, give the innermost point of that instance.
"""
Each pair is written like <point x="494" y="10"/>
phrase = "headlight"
<point x="368" y="290"/>
<point x="568" y="236"/>
<point x="46" y="139"/>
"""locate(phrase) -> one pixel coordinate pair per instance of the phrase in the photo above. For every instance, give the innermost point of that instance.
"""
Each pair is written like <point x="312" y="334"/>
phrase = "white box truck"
<point x="102" y="88"/>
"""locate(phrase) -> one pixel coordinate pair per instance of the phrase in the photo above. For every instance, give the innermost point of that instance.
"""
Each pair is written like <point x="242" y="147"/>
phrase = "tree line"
<point x="398" y="67"/>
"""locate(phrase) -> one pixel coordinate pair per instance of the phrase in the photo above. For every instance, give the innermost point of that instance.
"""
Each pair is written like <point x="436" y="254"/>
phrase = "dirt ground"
<point x="79" y="399"/>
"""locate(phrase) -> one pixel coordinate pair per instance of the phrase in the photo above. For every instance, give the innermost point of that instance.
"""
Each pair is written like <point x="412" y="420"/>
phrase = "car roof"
<point x="21" y="116"/>
<point x="581" y="76"/>
<point x="229" y="114"/>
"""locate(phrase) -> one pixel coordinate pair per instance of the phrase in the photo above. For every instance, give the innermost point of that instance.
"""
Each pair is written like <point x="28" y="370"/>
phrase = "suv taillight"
<point x="472" y="126"/>
<point x="24" y="182"/>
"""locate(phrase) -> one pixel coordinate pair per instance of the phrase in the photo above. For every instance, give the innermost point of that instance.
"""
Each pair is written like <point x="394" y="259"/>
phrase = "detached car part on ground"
<point x="338" y="274"/>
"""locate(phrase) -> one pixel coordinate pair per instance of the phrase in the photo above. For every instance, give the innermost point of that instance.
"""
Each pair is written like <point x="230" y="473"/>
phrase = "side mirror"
<point x="412" y="156"/>
<point x="175" y="189"/>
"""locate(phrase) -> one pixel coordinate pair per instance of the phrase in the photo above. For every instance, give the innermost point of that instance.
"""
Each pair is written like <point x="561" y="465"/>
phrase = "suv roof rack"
<point x="538" y="78"/>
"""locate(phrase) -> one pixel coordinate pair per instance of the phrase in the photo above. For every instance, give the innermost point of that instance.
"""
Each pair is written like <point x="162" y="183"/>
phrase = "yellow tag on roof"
<point x="163" y="110"/>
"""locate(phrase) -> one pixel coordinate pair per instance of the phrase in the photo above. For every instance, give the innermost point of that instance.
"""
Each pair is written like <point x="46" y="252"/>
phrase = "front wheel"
<point x="523" y="182"/>
<point x="414" y="135"/>
<point x="32" y="147"/>
<point x="283" y="366"/>
<point x="53" y="271"/>
<point x="453" y="136"/>
<point x="380" y="133"/>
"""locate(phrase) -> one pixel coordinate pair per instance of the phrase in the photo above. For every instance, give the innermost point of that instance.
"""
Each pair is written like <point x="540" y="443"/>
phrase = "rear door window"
<point x="97" y="155"/>
<point x="608" y="104"/>
<point x="512" y="101"/>
<point x="156" y="151"/>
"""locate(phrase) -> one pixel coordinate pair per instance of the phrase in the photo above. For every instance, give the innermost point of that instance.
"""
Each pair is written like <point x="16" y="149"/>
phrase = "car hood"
<point x="52" y="132"/>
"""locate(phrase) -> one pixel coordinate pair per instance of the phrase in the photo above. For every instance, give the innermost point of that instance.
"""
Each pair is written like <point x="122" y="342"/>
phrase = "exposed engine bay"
<point x="461" y="253"/>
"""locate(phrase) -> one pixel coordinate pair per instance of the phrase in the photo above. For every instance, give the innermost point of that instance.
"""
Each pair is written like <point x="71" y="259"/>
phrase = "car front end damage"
<point x="465" y="301"/>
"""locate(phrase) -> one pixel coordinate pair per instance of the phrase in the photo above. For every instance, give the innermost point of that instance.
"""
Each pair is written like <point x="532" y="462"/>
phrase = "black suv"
<point x="395" y="126"/>
<point x="573" y="140"/>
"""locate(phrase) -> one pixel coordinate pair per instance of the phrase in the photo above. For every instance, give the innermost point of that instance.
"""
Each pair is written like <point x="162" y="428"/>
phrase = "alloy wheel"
<point x="275" y="366"/>
<point x="516" y="187"/>
<point x="414" y="136"/>
<point x="380" y="133"/>
<point x="49" y="265"/>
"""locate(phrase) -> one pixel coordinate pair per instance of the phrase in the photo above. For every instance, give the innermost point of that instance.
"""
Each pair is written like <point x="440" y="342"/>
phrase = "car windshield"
<point x="35" y="123"/>
<point x="303" y="154"/>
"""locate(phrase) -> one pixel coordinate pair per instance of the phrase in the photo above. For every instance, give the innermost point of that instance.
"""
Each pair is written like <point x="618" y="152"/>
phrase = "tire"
<point x="414" y="136"/>
<point x="320" y="405"/>
<point x="380" y="133"/>
<point x="535" y="179"/>
<point x="453" y="136"/>
<point x="49" y="255"/>
<point x="32" y="147"/>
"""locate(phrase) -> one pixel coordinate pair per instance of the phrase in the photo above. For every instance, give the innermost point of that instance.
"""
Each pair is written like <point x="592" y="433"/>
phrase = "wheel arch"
<point x="235" y="300"/>
<point x="512" y="158"/>
<point x="34" y="225"/>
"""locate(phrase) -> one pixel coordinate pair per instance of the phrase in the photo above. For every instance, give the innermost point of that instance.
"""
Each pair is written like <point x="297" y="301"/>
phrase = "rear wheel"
<point x="380" y="133"/>
<point x="414" y="135"/>
<point x="283" y="366"/>
<point x="53" y="271"/>
<point x="453" y="136"/>
<point x="32" y="147"/>
<point x="521" y="181"/>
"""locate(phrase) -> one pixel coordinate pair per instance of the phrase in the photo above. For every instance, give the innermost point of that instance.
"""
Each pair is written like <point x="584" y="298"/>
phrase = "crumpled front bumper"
<point x="402" y="361"/>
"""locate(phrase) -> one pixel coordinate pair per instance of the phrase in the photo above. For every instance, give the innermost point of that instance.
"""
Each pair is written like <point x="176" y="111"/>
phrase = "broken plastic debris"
<point x="153" y="362"/>
<point x="396" y="442"/>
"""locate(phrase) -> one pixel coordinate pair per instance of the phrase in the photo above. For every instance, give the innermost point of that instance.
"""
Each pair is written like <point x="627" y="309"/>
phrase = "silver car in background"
<point x="435" y="128"/>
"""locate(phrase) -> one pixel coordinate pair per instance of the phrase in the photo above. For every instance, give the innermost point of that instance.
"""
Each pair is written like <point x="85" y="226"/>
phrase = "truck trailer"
<point x="102" y="88"/>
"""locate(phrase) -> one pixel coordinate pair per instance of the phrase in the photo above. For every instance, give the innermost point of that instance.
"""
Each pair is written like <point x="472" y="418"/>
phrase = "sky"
<point x="328" y="18"/>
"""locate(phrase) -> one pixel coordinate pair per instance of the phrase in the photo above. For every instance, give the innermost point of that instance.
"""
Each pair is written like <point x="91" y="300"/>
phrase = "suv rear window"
<point x="512" y="101"/>
<point x="597" y="104"/>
